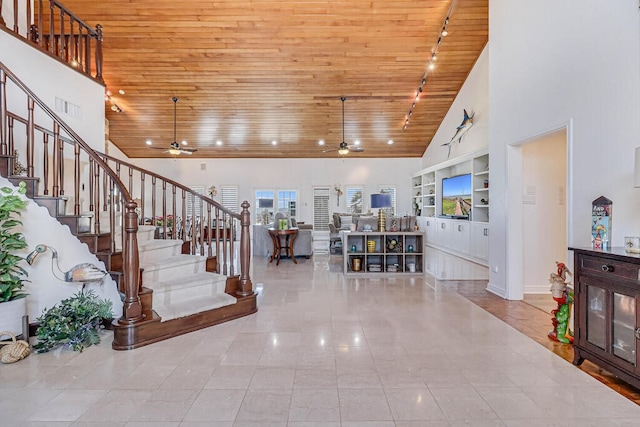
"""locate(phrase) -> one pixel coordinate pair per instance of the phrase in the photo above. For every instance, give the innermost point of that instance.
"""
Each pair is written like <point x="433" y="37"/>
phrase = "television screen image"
<point x="456" y="196"/>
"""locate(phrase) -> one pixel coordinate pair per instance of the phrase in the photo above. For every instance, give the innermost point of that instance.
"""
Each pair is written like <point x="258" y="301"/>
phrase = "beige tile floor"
<point x="322" y="351"/>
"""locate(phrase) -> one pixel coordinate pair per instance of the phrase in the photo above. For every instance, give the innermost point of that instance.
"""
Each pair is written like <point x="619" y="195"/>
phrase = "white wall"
<point x="48" y="79"/>
<point x="44" y="289"/>
<point x="557" y="64"/>
<point x="473" y="97"/>
<point x="544" y="223"/>
<point x="297" y="174"/>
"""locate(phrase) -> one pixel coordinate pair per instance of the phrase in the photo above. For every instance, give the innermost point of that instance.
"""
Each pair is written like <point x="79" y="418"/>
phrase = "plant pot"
<point x="11" y="313"/>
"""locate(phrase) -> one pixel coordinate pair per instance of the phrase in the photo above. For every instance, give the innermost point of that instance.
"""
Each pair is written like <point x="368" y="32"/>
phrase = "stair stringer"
<point x="44" y="290"/>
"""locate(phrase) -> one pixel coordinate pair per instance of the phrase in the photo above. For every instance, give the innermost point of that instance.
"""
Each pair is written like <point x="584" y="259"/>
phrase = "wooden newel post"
<point x="99" y="54"/>
<point x="246" y="287"/>
<point x="132" y="308"/>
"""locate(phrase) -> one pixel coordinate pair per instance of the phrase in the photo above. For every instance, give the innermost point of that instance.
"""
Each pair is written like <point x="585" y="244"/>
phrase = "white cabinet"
<point x="428" y="225"/>
<point x="443" y="233"/>
<point x="459" y="237"/>
<point x="480" y="241"/>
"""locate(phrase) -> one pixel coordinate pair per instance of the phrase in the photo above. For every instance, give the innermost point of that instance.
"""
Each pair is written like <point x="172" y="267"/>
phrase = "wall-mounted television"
<point x="456" y="196"/>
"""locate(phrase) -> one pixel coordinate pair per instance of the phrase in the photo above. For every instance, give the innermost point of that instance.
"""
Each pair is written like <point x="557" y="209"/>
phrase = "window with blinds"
<point x="321" y="208"/>
<point x="354" y="199"/>
<point x="229" y="197"/>
<point x="389" y="189"/>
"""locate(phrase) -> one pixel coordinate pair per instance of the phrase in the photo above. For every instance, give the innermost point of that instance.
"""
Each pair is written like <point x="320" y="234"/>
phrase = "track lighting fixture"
<point x="430" y="66"/>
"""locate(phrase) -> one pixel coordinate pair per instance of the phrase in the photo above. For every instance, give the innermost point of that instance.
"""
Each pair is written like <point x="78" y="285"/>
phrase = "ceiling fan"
<point x="175" y="148"/>
<point x="345" y="148"/>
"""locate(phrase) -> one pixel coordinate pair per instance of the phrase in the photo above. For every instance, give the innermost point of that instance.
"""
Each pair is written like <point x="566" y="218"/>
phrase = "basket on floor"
<point x="13" y="351"/>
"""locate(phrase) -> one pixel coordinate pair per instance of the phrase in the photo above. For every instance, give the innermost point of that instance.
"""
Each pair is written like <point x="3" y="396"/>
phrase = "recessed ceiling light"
<point x="274" y="142"/>
<point x="218" y="142"/>
<point x="121" y="92"/>
<point x="184" y="143"/>
<point x="356" y="142"/>
<point x="321" y="142"/>
<point x="390" y="141"/>
<point x="148" y="142"/>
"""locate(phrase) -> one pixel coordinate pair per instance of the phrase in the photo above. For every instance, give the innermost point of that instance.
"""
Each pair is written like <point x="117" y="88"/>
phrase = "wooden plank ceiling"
<point x="255" y="71"/>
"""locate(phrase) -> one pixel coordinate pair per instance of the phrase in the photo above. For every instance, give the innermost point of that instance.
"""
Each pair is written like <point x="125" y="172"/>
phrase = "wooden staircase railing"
<point x="35" y="140"/>
<point x="19" y="129"/>
<point x="206" y="227"/>
<point x="56" y="30"/>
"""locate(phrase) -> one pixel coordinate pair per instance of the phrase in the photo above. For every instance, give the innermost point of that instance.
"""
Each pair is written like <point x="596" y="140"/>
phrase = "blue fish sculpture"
<point x="461" y="130"/>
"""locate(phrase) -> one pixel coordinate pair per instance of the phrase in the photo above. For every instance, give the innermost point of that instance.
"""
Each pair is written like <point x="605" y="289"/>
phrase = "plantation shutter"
<point x="321" y="208"/>
<point x="194" y="204"/>
<point x="229" y="197"/>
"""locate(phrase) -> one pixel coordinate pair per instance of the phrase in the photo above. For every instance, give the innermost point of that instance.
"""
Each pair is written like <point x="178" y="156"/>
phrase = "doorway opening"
<point x="539" y="235"/>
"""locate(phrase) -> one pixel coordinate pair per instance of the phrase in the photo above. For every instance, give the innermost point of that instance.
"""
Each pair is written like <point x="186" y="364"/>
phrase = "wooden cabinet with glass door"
<point x="607" y="298"/>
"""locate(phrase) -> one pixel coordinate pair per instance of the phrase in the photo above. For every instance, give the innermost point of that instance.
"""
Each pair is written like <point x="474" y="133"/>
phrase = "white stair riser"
<point x="176" y="310"/>
<point x="173" y="272"/>
<point x="145" y="234"/>
<point x="155" y="254"/>
<point x="180" y="295"/>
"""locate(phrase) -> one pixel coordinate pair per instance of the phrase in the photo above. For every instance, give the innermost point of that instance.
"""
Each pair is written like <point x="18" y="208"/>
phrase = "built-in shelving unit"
<point x="383" y="253"/>
<point x="468" y="238"/>
<point x="480" y="184"/>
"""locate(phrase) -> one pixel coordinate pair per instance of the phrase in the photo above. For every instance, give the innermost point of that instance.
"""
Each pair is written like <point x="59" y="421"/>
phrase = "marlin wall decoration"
<point x="461" y="130"/>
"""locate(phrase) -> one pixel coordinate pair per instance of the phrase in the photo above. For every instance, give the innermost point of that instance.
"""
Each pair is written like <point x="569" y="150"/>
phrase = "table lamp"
<point x="381" y="201"/>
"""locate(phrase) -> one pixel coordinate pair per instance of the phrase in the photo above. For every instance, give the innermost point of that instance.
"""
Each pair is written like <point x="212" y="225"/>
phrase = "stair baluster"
<point x="202" y="225"/>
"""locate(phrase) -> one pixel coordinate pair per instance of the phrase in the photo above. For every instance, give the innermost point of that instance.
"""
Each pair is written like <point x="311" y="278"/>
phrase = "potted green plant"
<point x="74" y="321"/>
<point x="13" y="304"/>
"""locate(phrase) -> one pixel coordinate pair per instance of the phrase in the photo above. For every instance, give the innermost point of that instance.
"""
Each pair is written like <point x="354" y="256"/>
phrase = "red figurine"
<point x="562" y="293"/>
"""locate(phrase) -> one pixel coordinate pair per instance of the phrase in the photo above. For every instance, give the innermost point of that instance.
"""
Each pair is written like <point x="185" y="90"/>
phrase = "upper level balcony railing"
<point x="57" y="31"/>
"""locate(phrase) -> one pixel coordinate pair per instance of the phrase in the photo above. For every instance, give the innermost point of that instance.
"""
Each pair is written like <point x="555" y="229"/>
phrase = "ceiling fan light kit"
<point x="175" y="148"/>
<point x="344" y="148"/>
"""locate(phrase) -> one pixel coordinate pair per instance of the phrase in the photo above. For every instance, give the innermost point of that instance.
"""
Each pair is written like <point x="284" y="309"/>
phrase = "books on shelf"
<point x="375" y="268"/>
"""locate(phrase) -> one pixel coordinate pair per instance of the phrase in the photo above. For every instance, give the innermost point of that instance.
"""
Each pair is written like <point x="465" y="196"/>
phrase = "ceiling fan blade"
<point x="356" y="148"/>
<point x="189" y="150"/>
<point x="183" y="151"/>
<point x="157" y="148"/>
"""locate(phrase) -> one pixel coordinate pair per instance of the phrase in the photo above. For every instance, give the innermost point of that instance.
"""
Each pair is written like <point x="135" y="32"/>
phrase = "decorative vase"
<point x="410" y="248"/>
<point x="11" y="313"/>
<point x="371" y="246"/>
<point x="353" y="248"/>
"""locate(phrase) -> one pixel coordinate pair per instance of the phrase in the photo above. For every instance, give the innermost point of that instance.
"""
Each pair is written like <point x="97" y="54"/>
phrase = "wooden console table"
<point x="289" y="237"/>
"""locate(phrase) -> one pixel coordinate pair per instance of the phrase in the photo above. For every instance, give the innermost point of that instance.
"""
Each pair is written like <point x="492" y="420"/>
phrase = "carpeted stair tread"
<point x="197" y="279"/>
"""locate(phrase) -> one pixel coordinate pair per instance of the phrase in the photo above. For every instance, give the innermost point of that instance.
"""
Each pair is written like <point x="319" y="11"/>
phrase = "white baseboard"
<point x="496" y="290"/>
